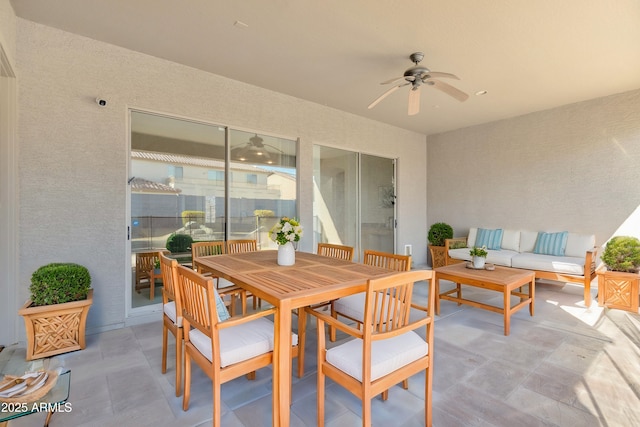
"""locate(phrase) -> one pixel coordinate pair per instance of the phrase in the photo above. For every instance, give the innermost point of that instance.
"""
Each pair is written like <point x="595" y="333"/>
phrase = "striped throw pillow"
<point x="551" y="243"/>
<point x="492" y="239"/>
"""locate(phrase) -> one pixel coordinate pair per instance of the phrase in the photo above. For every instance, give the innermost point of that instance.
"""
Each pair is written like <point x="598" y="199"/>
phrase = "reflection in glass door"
<point x="377" y="198"/>
<point x="354" y="200"/>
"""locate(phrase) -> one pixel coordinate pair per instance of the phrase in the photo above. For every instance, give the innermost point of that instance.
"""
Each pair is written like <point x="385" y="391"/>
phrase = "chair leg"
<point x="405" y="384"/>
<point x="164" y="347"/>
<point x="366" y="411"/>
<point x="251" y="375"/>
<point x="302" y="335"/>
<point x="187" y="382"/>
<point x="178" y="362"/>
<point x="385" y="395"/>
<point x="216" y="405"/>
<point x="332" y="330"/>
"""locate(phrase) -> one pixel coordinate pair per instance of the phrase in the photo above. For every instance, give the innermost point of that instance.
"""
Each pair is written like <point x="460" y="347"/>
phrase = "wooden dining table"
<point x="313" y="279"/>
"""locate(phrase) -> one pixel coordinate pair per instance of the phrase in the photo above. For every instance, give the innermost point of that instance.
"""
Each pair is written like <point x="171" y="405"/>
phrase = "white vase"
<point x="286" y="254"/>
<point x="478" y="262"/>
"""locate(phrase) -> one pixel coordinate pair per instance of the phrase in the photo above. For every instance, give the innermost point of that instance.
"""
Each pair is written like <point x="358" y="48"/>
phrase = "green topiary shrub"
<point x="177" y="243"/>
<point x="58" y="283"/>
<point x="439" y="232"/>
<point x="622" y="253"/>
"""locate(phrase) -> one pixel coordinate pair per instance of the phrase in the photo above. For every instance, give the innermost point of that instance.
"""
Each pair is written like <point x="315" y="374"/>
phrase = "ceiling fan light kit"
<point x="256" y="151"/>
<point x="416" y="76"/>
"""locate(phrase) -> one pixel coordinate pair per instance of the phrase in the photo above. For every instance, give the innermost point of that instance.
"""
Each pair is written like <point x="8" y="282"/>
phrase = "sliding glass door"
<point x="354" y="199"/>
<point x="192" y="181"/>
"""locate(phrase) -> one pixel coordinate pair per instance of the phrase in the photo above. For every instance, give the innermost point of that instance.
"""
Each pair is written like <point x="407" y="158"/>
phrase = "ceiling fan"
<point x="256" y="151"/>
<point x="416" y="76"/>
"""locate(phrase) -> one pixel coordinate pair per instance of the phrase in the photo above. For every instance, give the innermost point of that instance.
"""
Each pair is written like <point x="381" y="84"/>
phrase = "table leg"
<point x="46" y="421"/>
<point x="282" y="366"/>
<point x="532" y="295"/>
<point x="437" y="291"/>
<point x="507" y="310"/>
<point x="459" y="292"/>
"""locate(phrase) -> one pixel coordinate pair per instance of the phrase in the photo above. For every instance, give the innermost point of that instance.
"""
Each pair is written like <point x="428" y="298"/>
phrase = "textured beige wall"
<point x="575" y="168"/>
<point x="74" y="154"/>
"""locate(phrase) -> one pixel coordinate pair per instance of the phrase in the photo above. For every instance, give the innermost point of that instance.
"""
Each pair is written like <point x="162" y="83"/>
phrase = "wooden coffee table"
<point x="509" y="281"/>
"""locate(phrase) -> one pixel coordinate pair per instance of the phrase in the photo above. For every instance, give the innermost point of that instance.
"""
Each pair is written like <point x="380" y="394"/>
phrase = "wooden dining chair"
<point x="172" y="315"/>
<point x="329" y="250"/>
<point x="351" y="307"/>
<point x="240" y="246"/>
<point x="146" y="271"/>
<point x="218" y="247"/>
<point x="224" y="350"/>
<point x="386" y="350"/>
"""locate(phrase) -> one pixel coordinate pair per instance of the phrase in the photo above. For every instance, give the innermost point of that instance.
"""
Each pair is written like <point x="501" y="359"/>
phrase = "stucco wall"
<point x="74" y="154"/>
<point x="572" y="168"/>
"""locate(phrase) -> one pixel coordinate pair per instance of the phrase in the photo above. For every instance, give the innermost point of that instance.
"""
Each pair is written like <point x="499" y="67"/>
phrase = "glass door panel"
<point x="262" y="185"/>
<point x="335" y="196"/>
<point x="377" y="184"/>
<point x="177" y="189"/>
<point x="354" y="200"/>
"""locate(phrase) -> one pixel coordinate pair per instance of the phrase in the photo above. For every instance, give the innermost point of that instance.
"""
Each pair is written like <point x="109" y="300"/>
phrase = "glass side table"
<point x="54" y="401"/>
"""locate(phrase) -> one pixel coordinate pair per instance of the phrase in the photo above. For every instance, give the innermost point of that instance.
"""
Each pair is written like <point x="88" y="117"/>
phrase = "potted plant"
<point x="479" y="256"/>
<point x="438" y="233"/>
<point x="55" y="317"/>
<point x="618" y="279"/>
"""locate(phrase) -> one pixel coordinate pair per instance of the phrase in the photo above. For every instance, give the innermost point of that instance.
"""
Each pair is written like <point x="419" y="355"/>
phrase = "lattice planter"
<point x="618" y="289"/>
<point x="55" y="329"/>
<point x="438" y="256"/>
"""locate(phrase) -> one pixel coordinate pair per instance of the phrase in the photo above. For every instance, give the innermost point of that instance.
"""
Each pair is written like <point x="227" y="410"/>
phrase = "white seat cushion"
<point x="240" y="342"/>
<point x="556" y="264"/>
<point x="501" y="257"/>
<point x="351" y="306"/>
<point x="170" y="310"/>
<point x="386" y="355"/>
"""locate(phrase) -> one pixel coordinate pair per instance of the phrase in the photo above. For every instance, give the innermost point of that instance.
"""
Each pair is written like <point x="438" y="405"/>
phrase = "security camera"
<point x="101" y="102"/>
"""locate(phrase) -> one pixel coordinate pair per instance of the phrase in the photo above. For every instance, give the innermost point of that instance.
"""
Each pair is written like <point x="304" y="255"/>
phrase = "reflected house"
<point x="166" y="185"/>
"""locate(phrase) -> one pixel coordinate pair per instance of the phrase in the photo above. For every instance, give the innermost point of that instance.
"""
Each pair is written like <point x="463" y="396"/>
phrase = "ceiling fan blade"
<point x="414" y="101"/>
<point x="448" y="89"/>
<point x="384" y="95"/>
<point x="393" y="80"/>
<point x="438" y="74"/>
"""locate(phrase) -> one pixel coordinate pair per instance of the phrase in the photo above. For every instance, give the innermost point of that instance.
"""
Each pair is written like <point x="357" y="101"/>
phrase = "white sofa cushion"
<point x="501" y="257"/>
<point x="471" y="237"/>
<point x="386" y="355"/>
<point x="552" y="263"/>
<point x="579" y="244"/>
<point x="511" y="240"/>
<point x="528" y="240"/>
<point x="240" y="342"/>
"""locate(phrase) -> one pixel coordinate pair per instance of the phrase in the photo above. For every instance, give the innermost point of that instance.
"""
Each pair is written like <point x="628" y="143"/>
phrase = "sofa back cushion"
<point x="551" y="243"/>
<point x="528" y="240"/>
<point x="579" y="244"/>
<point x="511" y="240"/>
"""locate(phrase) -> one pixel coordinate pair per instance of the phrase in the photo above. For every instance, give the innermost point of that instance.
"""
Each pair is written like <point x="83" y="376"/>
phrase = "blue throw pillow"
<point x="551" y="243"/>
<point x="221" y="309"/>
<point x="492" y="239"/>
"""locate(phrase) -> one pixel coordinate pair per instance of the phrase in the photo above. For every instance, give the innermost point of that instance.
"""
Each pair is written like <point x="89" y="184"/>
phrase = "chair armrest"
<point x="448" y="243"/>
<point x="238" y="320"/>
<point x="335" y="323"/>
<point x="590" y="262"/>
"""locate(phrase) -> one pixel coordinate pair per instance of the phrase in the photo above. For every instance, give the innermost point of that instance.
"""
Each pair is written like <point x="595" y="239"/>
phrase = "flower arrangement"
<point x="476" y="251"/>
<point x="286" y="230"/>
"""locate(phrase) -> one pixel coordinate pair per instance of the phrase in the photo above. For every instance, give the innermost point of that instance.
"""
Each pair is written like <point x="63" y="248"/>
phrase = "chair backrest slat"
<point x="335" y="251"/>
<point x="169" y="271"/>
<point x="388" y="301"/>
<point x="198" y="306"/>
<point x="387" y="260"/>
<point x="241" y="246"/>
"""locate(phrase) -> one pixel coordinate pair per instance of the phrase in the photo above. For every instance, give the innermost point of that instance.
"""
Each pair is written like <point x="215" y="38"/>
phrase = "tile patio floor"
<point x="566" y="366"/>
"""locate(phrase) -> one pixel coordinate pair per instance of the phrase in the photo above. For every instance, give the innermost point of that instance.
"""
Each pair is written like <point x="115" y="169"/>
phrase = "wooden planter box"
<point x="55" y="329"/>
<point x="438" y="256"/>
<point x="618" y="290"/>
